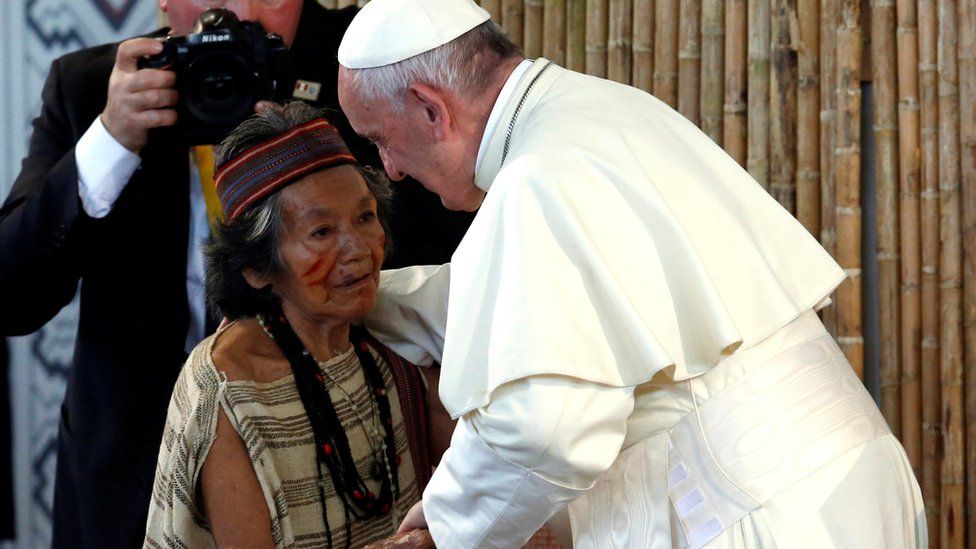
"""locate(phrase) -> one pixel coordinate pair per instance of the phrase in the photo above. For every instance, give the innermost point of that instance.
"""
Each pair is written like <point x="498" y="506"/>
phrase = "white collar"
<point x="496" y="111"/>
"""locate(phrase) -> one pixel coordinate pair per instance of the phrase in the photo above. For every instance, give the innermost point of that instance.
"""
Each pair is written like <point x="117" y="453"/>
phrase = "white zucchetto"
<point x="388" y="31"/>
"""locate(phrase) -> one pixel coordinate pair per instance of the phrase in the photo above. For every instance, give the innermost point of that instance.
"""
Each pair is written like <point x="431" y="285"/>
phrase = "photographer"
<point x="109" y="195"/>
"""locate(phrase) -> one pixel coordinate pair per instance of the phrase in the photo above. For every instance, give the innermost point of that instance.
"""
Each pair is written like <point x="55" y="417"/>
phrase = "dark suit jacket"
<point x="132" y="268"/>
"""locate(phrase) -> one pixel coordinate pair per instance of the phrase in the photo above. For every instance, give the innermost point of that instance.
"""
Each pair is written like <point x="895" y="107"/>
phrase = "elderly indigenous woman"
<point x="291" y="427"/>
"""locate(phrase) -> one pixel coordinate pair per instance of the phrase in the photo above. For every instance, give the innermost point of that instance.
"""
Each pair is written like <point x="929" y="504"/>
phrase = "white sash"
<point x="784" y="419"/>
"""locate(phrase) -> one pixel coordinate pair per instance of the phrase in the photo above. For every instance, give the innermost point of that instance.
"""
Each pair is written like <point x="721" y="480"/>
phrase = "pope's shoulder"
<point x="539" y="171"/>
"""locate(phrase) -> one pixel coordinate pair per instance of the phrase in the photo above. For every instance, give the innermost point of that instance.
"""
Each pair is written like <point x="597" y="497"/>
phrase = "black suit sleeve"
<point x="41" y="221"/>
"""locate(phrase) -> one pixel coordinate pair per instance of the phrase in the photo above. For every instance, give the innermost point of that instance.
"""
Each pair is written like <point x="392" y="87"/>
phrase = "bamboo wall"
<point x="779" y="83"/>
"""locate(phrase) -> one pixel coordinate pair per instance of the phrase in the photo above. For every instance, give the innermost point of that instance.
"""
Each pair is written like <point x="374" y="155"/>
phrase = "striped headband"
<point x="273" y="164"/>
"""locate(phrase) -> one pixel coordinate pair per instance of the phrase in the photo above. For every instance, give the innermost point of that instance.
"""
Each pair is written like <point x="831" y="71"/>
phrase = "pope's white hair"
<point x="465" y="65"/>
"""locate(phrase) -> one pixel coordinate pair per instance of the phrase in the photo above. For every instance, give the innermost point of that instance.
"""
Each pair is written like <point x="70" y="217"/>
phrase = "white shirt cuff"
<point x="477" y="498"/>
<point x="104" y="169"/>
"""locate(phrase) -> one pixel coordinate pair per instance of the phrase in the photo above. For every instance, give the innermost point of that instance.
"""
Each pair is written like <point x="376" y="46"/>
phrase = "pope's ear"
<point x="435" y="113"/>
<point x="255" y="280"/>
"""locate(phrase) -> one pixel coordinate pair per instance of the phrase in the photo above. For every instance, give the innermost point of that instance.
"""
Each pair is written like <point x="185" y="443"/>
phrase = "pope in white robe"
<point x="627" y="333"/>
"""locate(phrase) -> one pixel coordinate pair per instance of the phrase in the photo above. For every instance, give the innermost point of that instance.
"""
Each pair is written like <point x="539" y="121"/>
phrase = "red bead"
<point x="381" y="391"/>
<point x="370" y="495"/>
<point x="385" y="508"/>
<point x="363" y="346"/>
<point x="369" y="505"/>
<point x="356" y="494"/>
<point x="327" y="448"/>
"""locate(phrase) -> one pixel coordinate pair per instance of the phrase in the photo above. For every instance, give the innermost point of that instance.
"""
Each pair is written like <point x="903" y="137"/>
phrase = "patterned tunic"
<point x="272" y="422"/>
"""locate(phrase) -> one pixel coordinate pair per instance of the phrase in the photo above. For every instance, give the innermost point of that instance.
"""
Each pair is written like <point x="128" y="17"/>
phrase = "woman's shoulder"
<point x="243" y="352"/>
<point x="240" y="353"/>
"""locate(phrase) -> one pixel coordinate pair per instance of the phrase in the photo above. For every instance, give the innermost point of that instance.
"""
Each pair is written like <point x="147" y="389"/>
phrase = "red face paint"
<point x="316" y="275"/>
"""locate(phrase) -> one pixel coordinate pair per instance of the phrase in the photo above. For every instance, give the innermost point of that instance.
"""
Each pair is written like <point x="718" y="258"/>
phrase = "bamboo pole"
<point x="666" y="51"/>
<point x="734" y="134"/>
<point x="807" y="117"/>
<point x="713" y="67"/>
<point x="886" y="184"/>
<point x="916" y="419"/>
<point x="848" y="176"/>
<point x="931" y="394"/>
<point x="967" y="183"/>
<point x="618" y="45"/>
<point x="513" y="19"/>
<point x="689" y="59"/>
<point x="782" y="106"/>
<point x="643" y="58"/>
<point x="829" y="10"/>
<point x="576" y="35"/>
<point x="596" y="38"/>
<point x="757" y="111"/>
<point x="533" y="28"/>
<point x="554" y="31"/>
<point x="494" y="8"/>
<point x="950" y="270"/>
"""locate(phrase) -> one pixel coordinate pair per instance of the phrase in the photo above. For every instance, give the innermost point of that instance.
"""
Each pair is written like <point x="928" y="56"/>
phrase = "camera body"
<point x="222" y="69"/>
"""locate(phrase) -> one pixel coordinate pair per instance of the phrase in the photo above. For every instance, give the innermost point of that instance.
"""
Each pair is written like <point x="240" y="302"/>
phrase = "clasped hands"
<point x="412" y="534"/>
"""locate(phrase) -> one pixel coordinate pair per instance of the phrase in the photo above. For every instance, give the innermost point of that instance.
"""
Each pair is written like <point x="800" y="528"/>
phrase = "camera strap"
<point x="203" y="159"/>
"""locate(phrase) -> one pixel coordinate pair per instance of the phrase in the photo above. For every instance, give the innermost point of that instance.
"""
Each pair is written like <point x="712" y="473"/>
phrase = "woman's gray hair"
<point x="466" y="65"/>
<point x="251" y="241"/>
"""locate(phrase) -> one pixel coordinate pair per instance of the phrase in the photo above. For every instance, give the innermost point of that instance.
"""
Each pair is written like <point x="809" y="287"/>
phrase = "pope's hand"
<point x="138" y="99"/>
<point x="414" y="519"/>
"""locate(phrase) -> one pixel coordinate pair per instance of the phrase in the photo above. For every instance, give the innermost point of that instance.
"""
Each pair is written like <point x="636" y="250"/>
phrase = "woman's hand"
<point x="415" y="519"/>
<point x="414" y="539"/>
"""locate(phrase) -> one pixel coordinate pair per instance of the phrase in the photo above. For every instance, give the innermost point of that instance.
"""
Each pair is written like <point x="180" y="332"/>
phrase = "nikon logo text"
<point x="207" y="38"/>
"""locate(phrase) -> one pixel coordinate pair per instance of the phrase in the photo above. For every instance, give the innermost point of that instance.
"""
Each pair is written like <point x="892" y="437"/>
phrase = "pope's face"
<point x="331" y="246"/>
<point x="408" y="149"/>
<point x="278" y="16"/>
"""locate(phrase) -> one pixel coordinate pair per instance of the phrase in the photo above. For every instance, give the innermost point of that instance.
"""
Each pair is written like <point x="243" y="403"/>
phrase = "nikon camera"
<point x="222" y="69"/>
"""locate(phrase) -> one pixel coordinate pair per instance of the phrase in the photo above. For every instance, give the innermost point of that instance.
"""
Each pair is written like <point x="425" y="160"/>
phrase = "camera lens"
<point x="218" y="88"/>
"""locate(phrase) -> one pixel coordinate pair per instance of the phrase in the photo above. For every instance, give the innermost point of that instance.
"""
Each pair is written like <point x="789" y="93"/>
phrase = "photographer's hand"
<point x="265" y="105"/>
<point x="138" y="99"/>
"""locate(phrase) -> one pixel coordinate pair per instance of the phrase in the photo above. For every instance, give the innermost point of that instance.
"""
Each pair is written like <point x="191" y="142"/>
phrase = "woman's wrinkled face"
<point x="331" y="246"/>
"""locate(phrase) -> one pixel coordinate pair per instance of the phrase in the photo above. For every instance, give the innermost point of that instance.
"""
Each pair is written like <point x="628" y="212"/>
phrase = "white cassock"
<point x="627" y="333"/>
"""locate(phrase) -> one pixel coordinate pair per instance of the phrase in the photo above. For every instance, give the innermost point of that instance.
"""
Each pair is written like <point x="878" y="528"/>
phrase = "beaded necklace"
<point x="331" y="443"/>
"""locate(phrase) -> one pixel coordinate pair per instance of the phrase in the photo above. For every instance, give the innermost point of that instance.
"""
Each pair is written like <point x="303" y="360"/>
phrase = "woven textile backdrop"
<point x="857" y="116"/>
